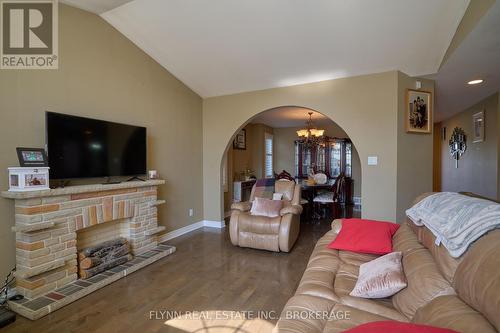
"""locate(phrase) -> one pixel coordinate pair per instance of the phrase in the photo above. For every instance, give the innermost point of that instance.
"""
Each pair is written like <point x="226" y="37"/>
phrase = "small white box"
<point x="28" y="178"/>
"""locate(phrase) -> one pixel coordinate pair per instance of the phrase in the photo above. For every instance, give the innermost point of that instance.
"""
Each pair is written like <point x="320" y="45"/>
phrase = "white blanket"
<point x="456" y="220"/>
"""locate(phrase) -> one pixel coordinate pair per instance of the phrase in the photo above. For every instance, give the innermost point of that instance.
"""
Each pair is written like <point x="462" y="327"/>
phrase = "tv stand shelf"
<point x="80" y="189"/>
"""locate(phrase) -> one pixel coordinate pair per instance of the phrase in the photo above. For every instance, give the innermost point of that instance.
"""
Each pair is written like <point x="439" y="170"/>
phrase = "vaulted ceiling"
<point x="225" y="46"/>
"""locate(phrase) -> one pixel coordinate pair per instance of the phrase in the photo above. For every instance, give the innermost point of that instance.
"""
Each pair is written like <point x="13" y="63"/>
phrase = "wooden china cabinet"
<point x="330" y="156"/>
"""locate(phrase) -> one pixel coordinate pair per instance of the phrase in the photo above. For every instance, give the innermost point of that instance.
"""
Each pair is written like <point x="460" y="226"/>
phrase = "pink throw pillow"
<point x="266" y="207"/>
<point x="381" y="277"/>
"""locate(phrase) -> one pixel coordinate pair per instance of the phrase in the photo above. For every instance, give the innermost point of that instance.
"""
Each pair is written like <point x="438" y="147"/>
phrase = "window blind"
<point x="269" y="155"/>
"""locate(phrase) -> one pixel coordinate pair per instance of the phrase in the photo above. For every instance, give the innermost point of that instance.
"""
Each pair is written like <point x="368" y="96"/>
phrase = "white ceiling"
<point x="95" y="6"/>
<point x="289" y="116"/>
<point x="478" y="56"/>
<point x="225" y="46"/>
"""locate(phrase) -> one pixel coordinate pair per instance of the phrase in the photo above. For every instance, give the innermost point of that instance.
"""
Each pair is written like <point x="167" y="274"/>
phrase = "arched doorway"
<point x="245" y="154"/>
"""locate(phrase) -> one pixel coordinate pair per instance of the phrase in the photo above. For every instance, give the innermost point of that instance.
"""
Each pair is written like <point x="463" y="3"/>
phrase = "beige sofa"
<point x="260" y="232"/>
<point x="461" y="294"/>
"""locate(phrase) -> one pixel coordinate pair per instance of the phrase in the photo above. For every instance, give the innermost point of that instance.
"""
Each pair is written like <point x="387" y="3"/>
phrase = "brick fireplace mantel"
<point x="47" y="221"/>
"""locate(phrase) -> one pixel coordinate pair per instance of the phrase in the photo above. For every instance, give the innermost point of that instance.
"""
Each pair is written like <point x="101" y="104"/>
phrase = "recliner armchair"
<point x="268" y="233"/>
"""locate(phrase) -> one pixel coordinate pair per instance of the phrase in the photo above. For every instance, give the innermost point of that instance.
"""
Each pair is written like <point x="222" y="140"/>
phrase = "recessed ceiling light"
<point x="475" y="82"/>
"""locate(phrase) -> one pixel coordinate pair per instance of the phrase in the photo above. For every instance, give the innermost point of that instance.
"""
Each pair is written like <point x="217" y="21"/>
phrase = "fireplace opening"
<point x="102" y="247"/>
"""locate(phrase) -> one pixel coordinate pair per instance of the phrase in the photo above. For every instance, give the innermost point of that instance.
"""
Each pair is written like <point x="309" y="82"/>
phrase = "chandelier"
<point x="310" y="134"/>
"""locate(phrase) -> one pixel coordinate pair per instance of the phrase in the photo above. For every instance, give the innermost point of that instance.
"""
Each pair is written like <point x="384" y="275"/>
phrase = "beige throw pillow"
<point x="266" y="207"/>
<point x="379" y="278"/>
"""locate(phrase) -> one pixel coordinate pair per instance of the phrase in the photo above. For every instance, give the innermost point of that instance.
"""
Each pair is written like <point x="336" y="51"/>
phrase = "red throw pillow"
<point x="365" y="236"/>
<point x="396" y="327"/>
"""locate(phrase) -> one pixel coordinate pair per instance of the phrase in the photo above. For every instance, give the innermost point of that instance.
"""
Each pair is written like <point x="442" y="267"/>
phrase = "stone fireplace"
<point x="50" y="226"/>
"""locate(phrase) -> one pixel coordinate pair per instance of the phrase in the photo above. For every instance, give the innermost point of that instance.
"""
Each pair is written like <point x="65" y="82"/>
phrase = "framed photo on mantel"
<point x="31" y="157"/>
<point x="418" y="110"/>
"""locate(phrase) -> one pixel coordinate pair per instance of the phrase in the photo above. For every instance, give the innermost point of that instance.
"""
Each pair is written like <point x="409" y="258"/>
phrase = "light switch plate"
<point x="372" y="160"/>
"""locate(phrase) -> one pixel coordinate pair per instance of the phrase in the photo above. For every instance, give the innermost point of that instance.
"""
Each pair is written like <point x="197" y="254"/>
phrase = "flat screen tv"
<point x="80" y="147"/>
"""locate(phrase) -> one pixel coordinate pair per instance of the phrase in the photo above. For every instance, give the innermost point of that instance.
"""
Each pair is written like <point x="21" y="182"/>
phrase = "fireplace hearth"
<point x="47" y="225"/>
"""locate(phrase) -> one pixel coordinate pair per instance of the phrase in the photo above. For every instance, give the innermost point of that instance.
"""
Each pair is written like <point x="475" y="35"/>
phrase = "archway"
<point x="279" y="125"/>
<point x="346" y="101"/>
<point x="334" y="153"/>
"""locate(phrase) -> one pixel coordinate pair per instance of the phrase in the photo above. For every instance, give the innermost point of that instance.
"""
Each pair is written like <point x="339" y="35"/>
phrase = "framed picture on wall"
<point x="240" y="141"/>
<point x="478" y="127"/>
<point x="418" y="110"/>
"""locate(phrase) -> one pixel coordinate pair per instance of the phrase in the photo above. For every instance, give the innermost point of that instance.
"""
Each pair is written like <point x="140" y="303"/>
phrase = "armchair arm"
<point x="292" y="209"/>
<point x="242" y="206"/>
<point x="289" y="231"/>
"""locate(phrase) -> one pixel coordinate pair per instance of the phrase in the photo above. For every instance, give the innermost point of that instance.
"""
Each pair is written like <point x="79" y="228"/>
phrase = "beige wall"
<point x="498" y="146"/>
<point x="414" y="152"/>
<point x="103" y="75"/>
<point x="365" y="107"/>
<point x="478" y="167"/>
<point x="284" y="155"/>
<point x="240" y="160"/>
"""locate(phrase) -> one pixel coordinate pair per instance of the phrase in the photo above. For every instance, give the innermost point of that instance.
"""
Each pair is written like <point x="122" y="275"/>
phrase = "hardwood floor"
<point x="206" y="273"/>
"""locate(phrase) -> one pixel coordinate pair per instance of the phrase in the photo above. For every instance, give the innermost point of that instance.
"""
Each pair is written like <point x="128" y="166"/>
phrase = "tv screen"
<point x="80" y="147"/>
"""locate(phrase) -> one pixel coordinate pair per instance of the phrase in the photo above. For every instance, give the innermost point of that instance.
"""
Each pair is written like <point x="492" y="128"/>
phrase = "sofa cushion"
<point x="451" y="312"/>
<point x="318" y="282"/>
<point x="477" y="279"/>
<point x="378" y="307"/>
<point x="405" y="240"/>
<point x="424" y="282"/>
<point x="396" y="327"/>
<point x="365" y="236"/>
<point x="381" y="277"/>
<point x="347" y="317"/>
<point x="303" y="313"/>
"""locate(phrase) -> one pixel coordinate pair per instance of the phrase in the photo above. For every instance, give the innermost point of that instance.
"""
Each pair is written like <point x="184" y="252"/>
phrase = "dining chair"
<point x="331" y="197"/>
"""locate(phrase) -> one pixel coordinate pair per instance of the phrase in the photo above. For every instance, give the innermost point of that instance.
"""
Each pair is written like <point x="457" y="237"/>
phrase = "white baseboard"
<point x="192" y="227"/>
<point x="181" y="231"/>
<point x="214" y="224"/>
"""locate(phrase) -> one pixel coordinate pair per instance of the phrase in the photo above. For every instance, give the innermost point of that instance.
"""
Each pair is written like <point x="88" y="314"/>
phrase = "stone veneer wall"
<point x="45" y="227"/>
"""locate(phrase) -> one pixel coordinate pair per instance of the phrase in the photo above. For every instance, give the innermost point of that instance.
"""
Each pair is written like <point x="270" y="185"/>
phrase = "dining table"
<point x="309" y="191"/>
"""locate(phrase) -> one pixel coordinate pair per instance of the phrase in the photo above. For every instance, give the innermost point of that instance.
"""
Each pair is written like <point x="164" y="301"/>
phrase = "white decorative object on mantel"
<point x="28" y="178"/>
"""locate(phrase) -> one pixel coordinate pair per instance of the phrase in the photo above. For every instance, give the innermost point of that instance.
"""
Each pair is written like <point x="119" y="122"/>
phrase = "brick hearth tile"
<point x="97" y="278"/>
<point x="38" y="303"/>
<point x="118" y="269"/>
<point x="136" y="260"/>
<point x="108" y="273"/>
<point x="69" y="289"/>
<point x="148" y="254"/>
<point x="55" y="296"/>
<point x="82" y="283"/>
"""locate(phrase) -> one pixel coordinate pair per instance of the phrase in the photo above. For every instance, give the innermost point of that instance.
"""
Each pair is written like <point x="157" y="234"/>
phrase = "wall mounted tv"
<point x="80" y="147"/>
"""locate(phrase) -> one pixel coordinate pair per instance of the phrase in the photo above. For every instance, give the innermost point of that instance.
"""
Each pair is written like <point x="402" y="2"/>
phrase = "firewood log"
<point x="102" y="256"/>
<point x="87" y="273"/>
<point x="89" y="251"/>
